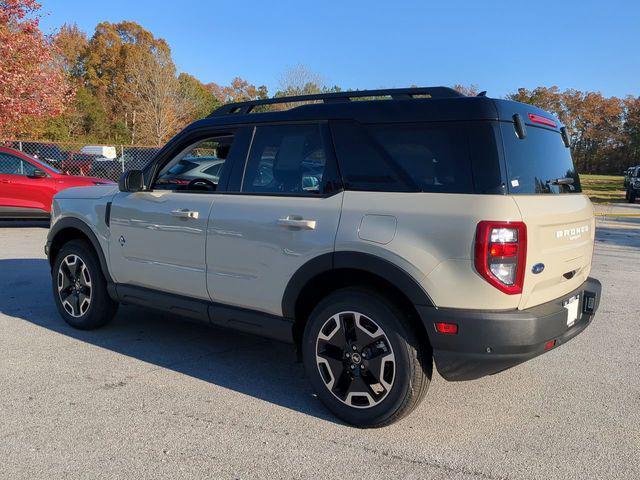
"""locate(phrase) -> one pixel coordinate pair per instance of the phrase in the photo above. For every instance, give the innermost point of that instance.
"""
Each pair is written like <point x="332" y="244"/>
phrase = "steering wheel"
<point x="202" y="184"/>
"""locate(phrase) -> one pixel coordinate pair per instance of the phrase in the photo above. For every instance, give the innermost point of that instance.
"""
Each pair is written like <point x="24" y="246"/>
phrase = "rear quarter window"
<point x="536" y="162"/>
<point x="456" y="157"/>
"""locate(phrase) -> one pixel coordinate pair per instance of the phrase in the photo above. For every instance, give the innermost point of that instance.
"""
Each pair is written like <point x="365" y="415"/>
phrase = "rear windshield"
<point x="538" y="163"/>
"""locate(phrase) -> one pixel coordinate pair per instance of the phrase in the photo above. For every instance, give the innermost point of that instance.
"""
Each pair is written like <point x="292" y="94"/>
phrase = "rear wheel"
<point x="364" y="359"/>
<point x="79" y="287"/>
<point x="632" y="196"/>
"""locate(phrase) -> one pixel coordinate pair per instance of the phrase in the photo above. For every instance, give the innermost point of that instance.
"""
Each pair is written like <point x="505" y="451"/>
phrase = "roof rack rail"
<point x="241" y="108"/>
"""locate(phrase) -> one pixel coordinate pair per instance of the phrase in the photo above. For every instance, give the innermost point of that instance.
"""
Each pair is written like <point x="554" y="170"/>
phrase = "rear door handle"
<point x="185" y="213"/>
<point x="295" y="221"/>
<point x="2" y="180"/>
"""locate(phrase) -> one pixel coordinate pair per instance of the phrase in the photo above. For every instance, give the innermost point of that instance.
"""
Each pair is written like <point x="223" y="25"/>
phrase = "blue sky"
<point x="498" y="45"/>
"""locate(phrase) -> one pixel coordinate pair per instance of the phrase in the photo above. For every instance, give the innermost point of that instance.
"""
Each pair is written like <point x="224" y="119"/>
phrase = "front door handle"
<point x="295" y="221"/>
<point x="185" y="213"/>
<point x="2" y="180"/>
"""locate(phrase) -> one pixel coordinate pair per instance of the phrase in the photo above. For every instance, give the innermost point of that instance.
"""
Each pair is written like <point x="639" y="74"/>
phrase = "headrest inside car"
<point x="290" y="153"/>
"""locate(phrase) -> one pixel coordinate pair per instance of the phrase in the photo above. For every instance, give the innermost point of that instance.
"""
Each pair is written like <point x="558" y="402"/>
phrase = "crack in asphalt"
<point x="437" y="465"/>
<point x="373" y="451"/>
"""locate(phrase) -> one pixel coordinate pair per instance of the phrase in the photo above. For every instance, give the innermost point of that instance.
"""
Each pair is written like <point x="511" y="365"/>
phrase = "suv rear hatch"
<point x="560" y="220"/>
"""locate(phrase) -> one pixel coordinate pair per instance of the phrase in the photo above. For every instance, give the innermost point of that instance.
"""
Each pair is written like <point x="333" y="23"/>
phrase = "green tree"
<point x="631" y="133"/>
<point x="71" y="47"/>
<point x="161" y="103"/>
<point x="299" y="80"/>
<point x="238" y="91"/>
<point x="199" y="99"/>
<point x="112" y="49"/>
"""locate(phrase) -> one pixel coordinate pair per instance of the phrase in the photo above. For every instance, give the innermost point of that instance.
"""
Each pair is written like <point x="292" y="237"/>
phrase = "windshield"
<point x="538" y="163"/>
<point x="181" y="167"/>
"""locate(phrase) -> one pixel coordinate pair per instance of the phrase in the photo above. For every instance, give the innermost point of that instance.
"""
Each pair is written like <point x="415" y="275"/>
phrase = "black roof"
<point x="401" y="105"/>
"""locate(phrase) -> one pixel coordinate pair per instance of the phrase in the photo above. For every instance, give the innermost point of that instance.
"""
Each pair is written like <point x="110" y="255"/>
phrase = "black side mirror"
<point x="131" y="181"/>
<point x="37" y="174"/>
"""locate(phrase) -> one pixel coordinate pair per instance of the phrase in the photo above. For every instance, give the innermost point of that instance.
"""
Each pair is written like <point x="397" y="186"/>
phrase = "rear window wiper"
<point x="561" y="181"/>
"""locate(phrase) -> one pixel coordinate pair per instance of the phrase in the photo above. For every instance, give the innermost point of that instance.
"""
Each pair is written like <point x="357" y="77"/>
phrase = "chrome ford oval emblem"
<point x="537" y="268"/>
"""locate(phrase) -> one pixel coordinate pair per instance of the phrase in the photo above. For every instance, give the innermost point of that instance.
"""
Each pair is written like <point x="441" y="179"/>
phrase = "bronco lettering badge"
<point x="572" y="233"/>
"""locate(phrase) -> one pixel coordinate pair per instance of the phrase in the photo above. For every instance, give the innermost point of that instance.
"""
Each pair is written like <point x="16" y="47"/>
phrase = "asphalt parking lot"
<point x="149" y="396"/>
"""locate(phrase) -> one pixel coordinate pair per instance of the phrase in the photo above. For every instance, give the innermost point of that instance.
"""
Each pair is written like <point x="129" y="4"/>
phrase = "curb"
<point x="617" y="214"/>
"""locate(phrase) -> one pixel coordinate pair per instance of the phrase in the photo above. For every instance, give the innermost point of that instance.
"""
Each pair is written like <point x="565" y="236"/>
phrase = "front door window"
<point x="197" y="168"/>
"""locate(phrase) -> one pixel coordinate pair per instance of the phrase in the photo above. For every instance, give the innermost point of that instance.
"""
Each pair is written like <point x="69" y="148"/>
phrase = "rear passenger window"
<point x="288" y="159"/>
<point x="363" y="164"/>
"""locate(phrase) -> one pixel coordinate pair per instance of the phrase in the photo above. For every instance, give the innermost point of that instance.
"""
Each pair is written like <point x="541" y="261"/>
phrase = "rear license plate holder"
<point x="572" y="306"/>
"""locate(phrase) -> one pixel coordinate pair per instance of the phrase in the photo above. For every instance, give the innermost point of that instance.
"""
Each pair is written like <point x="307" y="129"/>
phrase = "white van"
<point x="100" y="150"/>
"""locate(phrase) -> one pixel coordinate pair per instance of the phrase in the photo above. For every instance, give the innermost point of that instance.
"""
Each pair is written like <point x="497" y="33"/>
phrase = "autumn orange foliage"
<point x="31" y="84"/>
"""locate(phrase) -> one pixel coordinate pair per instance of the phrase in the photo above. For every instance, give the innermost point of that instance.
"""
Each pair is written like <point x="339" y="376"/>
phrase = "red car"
<point x="77" y="163"/>
<point x="27" y="186"/>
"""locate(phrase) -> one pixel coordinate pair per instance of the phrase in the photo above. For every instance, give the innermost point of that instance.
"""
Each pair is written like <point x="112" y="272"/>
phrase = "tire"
<point x="79" y="287"/>
<point x="391" y="367"/>
<point x="632" y="196"/>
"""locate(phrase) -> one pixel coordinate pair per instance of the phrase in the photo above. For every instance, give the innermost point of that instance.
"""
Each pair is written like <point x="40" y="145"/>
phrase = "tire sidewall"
<point x="387" y="317"/>
<point x="92" y="317"/>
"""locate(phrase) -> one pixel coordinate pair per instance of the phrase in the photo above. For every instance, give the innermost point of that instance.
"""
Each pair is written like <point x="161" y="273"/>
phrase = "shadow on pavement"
<point x="24" y="223"/>
<point x="633" y="221"/>
<point x="250" y="365"/>
<point x="619" y="235"/>
<point x="627" y="207"/>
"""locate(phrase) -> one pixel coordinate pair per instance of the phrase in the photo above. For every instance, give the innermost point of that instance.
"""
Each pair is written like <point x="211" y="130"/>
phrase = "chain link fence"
<point x="72" y="158"/>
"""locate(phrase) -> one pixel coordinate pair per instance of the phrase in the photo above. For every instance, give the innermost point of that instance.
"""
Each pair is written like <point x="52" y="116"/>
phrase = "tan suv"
<point x="380" y="236"/>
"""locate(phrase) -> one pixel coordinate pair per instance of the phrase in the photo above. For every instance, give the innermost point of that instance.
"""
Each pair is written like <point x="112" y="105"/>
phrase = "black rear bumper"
<point x="488" y="342"/>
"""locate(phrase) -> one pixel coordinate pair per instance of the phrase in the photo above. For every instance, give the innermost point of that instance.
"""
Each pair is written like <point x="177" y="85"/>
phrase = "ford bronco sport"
<point x="379" y="231"/>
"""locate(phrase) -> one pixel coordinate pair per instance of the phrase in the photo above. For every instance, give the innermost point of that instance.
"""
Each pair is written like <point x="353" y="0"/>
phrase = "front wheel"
<point x="364" y="358"/>
<point x="631" y="196"/>
<point x="79" y="287"/>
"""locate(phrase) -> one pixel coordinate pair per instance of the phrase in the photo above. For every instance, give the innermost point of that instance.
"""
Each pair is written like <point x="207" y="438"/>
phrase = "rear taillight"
<point x="501" y="253"/>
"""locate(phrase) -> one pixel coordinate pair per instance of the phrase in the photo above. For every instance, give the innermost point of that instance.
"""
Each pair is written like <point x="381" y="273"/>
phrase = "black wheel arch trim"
<point x="77" y="224"/>
<point x="357" y="261"/>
